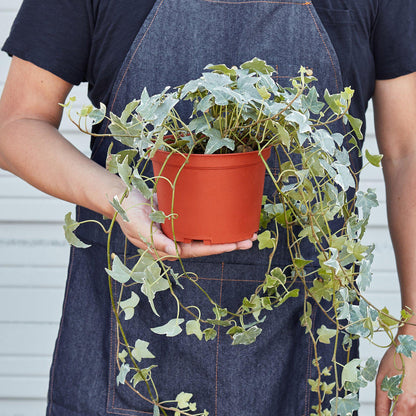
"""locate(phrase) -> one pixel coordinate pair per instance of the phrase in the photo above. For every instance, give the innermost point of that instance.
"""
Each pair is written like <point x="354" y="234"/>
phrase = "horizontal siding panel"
<point x="36" y="340"/>
<point x="27" y="387"/>
<point x="15" y="366"/>
<point x="23" y="407"/>
<point x="45" y="210"/>
<point x="34" y="305"/>
<point x="32" y="277"/>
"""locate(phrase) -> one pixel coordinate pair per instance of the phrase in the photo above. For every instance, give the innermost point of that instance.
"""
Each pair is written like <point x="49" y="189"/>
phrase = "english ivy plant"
<point x="244" y="109"/>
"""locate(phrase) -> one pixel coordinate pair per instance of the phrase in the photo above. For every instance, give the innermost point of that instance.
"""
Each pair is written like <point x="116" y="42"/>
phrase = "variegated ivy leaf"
<point x="122" y="356"/>
<point x="369" y="372"/>
<point x="119" y="271"/>
<point x="128" y="110"/>
<point x="350" y="371"/>
<point x="97" y="115"/>
<point x="258" y="66"/>
<point x="344" y="178"/>
<point x="153" y="283"/>
<point x="365" y="276"/>
<point x="324" y="140"/>
<point x="143" y="375"/>
<point x="69" y="228"/>
<point x="265" y="240"/>
<point x="124" y="370"/>
<point x="140" y="184"/>
<point x="183" y="400"/>
<point x="345" y="406"/>
<point x="247" y="337"/>
<point x="158" y="216"/>
<point x="156" y="411"/>
<point x="128" y="305"/>
<point x="124" y="171"/>
<point x="304" y="125"/>
<point x="193" y="327"/>
<point x="325" y="334"/>
<point x="407" y="345"/>
<point x="366" y="201"/>
<point x="120" y="210"/>
<point x="141" y="351"/>
<point x="171" y="329"/>
<point x="391" y="385"/>
<point x="216" y="141"/>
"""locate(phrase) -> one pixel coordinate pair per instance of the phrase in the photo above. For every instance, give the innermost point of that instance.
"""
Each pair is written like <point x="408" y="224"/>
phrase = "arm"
<point x="32" y="148"/>
<point x="395" y="119"/>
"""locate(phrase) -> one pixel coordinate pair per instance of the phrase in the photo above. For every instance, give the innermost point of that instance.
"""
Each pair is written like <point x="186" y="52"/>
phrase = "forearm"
<point x="35" y="151"/>
<point x="400" y="177"/>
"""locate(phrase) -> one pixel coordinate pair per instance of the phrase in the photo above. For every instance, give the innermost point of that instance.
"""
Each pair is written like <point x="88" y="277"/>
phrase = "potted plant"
<point x="242" y="111"/>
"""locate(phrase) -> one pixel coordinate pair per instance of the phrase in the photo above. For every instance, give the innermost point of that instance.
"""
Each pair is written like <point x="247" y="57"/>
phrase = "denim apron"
<point x="267" y="378"/>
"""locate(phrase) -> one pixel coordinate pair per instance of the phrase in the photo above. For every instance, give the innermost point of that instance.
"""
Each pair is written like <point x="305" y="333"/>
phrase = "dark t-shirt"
<point x="86" y="40"/>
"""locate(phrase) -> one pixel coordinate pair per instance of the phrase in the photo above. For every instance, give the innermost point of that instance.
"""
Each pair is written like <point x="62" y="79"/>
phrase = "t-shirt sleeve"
<point x="54" y="35"/>
<point x="394" y="38"/>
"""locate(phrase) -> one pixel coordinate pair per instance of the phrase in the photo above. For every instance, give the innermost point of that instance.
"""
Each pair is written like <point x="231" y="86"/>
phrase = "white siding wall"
<point x="33" y="260"/>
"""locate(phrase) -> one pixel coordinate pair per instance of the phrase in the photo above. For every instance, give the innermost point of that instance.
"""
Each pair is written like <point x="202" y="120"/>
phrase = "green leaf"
<point x="258" y="66"/>
<point x="120" y="210"/>
<point x="140" y="350"/>
<point x="183" y="400"/>
<point x="265" y="240"/>
<point x="350" y="371"/>
<point x="345" y="406"/>
<point x="407" y="345"/>
<point x="356" y="125"/>
<point x="158" y="216"/>
<point x="301" y="263"/>
<point x="209" y="334"/>
<point x="97" y="115"/>
<point x="246" y="337"/>
<point x="384" y="317"/>
<point x="142" y="375"/>
<point x="193" y="327"/>
<point x="139" y="183"/>
<point x="325" y="334"/>
<point x="119" y="271"/>
<point x="391" y="385"/>
<point x="222" y="69"/>
<point x="171" y="329"/>
<point x="122" y="356"/>
<point x="124" y="171"/>
<point x="69" y="228"/>
<point x="128" y="305"/>
<point x="375" y="160"/>
<point x="128" y="110"/>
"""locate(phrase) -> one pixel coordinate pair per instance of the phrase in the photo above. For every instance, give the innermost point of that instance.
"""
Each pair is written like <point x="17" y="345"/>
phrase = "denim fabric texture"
<point x="268" y="378"/>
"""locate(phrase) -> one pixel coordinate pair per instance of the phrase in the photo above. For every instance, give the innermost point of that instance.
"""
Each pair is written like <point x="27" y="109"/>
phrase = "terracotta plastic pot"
<point x="217" y="198"/>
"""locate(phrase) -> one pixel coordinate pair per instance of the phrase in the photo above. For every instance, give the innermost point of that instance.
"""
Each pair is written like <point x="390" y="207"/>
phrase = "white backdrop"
<point x="33" y="260"/>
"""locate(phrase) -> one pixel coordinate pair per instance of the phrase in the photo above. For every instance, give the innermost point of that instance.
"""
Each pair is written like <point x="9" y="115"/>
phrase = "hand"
<point x="138" y="228"/>
<point x="406" y="404"/>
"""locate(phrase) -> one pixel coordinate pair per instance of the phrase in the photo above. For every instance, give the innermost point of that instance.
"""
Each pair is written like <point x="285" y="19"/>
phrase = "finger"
<point x="199" y="249"/>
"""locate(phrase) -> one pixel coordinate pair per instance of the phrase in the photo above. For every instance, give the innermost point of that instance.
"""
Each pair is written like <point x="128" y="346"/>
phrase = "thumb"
<point x="162" y="243"/>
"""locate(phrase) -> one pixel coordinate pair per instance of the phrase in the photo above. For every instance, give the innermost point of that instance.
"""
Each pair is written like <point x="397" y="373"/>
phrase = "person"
<point x="120" y="47"/>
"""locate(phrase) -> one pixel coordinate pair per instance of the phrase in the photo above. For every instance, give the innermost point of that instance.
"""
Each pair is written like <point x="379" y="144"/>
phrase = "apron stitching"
<point x="125" y="73"/>
<point x="326" y="46"/>
<point x="218" y="345"/>
<point x="134" y="53"/>
<point x="60" y="330"/>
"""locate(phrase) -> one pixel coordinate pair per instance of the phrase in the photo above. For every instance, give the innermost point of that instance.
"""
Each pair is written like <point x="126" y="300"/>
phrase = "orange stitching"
<point x="326" y="47"/>
<point x="60" y="328"/>
<point x="218" y="347"/>
<point x="125" y="72"/>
